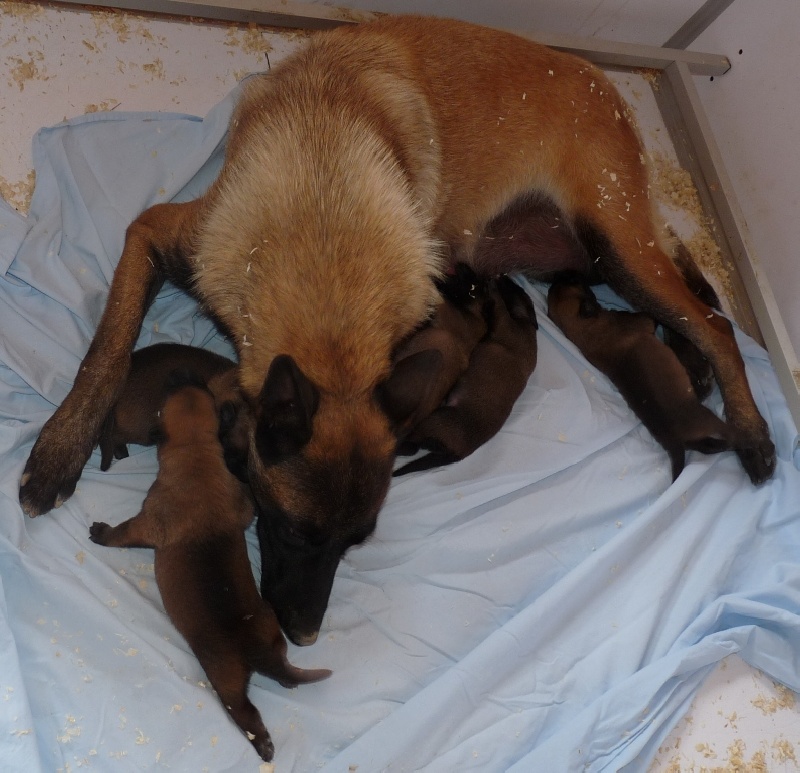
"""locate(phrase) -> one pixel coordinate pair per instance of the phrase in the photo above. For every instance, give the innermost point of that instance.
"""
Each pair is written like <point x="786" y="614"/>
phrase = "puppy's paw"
<point x="98" y="532"/>
<point x="263" y="745"/>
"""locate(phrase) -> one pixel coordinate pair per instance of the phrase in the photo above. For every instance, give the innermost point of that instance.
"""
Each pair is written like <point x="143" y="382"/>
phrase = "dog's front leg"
<point x="156" y="244"/>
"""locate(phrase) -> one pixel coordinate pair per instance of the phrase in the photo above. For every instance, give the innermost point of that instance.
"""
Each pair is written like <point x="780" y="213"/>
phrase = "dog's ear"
<point x="287" y="404"/>
<point x="403" y="394"/>
<point x="228" y="414"/>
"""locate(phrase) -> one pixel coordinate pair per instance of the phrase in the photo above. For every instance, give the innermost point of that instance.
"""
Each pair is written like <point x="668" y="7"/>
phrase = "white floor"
<point x="61" y="62"/>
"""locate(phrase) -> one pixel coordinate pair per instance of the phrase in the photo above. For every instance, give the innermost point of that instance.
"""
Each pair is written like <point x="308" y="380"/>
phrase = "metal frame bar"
<point x="703" y="18"/>
<point x="289" y="13"/>
<point x="698" y="152"/>
<point x="756" y="310"/>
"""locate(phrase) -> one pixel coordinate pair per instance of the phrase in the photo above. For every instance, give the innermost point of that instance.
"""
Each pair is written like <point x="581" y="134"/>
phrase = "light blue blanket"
<point x="551" y="603"/>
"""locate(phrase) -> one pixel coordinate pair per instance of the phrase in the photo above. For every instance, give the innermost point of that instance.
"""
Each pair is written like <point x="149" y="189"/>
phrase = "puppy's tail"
<point x="269" y="659"/>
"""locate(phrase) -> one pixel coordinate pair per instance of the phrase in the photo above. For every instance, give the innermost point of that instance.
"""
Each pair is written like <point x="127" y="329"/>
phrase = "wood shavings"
<point x="155" y="69"/>
<point x="784" y="700"/>
<point x="117" y="22"/>
<point x="252" y="40"/>
<point x="25" y="11"/>
<point x="673" y="187"/>
<point x="19" y="194"/>
<point x="71" y="730"/>
<point x="652" y="76"/>
<point x="23" y="70"/>
<point x="783" y="751"/>
<point x="105" y="106"/>
<point x="706" y="750"/>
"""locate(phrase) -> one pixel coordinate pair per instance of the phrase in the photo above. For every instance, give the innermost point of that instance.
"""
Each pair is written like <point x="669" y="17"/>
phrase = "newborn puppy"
<point x="482" y="399"/>
<point x="194" y="516"/>
<point x="134" y="419"/>
<point x="454" y="331"/>
<point x="647" y="373"/>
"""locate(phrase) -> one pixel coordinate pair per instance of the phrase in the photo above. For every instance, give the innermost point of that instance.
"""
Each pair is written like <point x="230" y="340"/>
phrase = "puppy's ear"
<point x="517" y="301"/>
<point x="589" y="306"/>
<point x="286" y="408"/>
<point x="404" y="393"/>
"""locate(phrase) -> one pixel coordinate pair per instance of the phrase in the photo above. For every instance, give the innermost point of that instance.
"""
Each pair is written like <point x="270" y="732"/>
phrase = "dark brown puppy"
<point x="648" y="374"/>
<point x="355" y="172"/>
<point x="454" y="330"/>
<point x="482" y="399"/>
<point x="194" y="517"/>
<point x="134" y="419"/>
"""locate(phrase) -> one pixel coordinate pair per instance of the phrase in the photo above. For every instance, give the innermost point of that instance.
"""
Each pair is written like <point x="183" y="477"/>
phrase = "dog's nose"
<point x="303" y="639"/>
<point x="299" y="632"/>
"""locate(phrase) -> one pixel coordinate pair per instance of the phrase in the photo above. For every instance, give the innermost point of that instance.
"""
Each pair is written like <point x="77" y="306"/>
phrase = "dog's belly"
<point x="533" y="235"/>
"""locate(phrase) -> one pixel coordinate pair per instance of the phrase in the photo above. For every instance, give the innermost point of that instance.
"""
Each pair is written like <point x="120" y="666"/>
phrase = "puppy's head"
<point x="320" y="467"/>
<point x="570" y="302"/>
<point x="188" y="413"/>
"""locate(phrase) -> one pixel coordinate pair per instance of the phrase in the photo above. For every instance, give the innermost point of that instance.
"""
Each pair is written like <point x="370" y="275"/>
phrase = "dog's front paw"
<point x="758" y="461"/>
<point x="98" y="532"/>
<point x="45" y="484"/>
<point x="54" y="466"/>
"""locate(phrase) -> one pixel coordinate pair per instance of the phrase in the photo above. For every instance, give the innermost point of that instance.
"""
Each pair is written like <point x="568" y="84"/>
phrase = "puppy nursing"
<point x="452" y="333"/>
<point x="134" y="418"/>
<point x="194" y="516"/>
<point x="647" y="373"/>
<point x="481" y="400"/>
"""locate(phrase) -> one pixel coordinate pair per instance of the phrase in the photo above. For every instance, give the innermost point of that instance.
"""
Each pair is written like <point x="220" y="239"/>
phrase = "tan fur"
<point x="355" y="171"/>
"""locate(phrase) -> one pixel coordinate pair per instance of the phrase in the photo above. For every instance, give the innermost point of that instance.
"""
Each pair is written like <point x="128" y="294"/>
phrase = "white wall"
<point x="632" y="21"/>
<point x="754" y="111"/>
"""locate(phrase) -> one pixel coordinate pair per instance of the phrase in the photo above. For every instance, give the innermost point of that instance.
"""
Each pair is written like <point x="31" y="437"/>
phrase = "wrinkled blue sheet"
<point x="551" y="603"/>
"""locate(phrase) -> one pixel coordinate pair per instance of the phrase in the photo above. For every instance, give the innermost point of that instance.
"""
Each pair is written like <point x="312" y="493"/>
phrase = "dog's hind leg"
<point x="638" y="269"/>
<point x="157" y="244"/>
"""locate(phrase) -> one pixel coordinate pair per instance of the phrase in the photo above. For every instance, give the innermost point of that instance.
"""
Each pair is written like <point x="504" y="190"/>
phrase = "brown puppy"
<point x="134" y="419"/>
<point x="194" y="516"/>
<point x="453" y="332"/>
<point x="481" y="401"/>
<point x="354" y="171"/>
<point x="647" y="373"/>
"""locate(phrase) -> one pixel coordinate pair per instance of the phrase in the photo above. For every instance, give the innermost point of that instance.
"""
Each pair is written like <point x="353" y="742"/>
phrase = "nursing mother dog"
<point x="356" y="172"/>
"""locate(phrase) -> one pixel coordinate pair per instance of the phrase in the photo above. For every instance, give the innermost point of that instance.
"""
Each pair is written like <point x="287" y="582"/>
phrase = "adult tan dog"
<point x="355" y="171"/>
